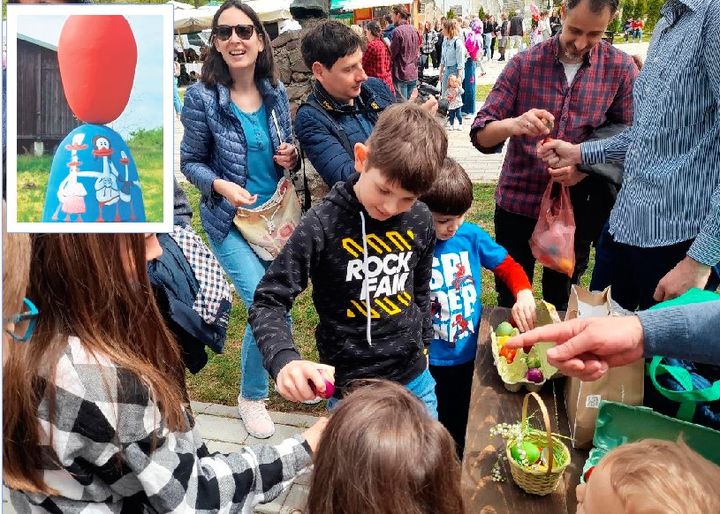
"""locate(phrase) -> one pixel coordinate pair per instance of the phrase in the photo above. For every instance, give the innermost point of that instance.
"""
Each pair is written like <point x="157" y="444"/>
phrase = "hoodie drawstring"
<point x="366" y="286"/>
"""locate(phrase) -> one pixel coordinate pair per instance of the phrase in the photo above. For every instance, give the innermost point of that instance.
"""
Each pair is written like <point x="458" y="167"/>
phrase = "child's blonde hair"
<point x="382" y="453"/>
<point x="452" y="79"/>
<point x="653" y="475"/>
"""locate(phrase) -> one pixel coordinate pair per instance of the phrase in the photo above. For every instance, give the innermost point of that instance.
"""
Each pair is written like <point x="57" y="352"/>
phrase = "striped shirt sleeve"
<point x="612" y="149"/>
<point x="706" y="247"/>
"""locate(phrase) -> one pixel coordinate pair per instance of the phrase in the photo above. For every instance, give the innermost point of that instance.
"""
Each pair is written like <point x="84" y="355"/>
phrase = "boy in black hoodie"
<point x="371" y="222"/>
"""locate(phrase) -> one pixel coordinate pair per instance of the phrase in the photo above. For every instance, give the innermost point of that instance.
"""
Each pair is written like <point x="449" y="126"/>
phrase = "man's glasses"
<point x="23" y="323"/>
<point x="244" y="32"/>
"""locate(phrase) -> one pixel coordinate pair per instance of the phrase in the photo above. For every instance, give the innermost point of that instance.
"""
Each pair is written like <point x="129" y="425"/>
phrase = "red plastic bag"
<point x="553" y="240"/>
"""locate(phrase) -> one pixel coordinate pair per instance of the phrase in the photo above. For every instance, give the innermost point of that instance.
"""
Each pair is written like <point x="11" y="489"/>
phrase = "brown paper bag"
<point x="624" y="384"/>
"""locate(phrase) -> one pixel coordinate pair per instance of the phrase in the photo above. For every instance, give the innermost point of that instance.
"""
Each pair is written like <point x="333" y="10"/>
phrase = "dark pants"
<point x="453" y="386"/>
<point x="513" y="231"/>
<point x="492" y="47"/>
<point x="634" y="272"/>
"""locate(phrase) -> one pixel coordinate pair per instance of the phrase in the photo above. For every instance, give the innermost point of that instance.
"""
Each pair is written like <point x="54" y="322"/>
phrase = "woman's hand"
<point x="236" y="195"/>
<point x="286" y="156"/>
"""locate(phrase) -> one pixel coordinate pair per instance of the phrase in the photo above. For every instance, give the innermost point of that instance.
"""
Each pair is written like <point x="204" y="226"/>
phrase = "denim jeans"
<point x="449" y="70"/>
<point x="487" y="39"/>
<point x="245" y="269"/>
<point x="176" y="97"/>
<point x="405" y="88"/>
<point x="453" y="114"/>
<point x="422" y="386"/>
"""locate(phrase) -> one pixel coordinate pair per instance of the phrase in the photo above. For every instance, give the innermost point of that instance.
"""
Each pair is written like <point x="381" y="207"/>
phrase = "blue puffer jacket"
<point x="214" y="146"/>
<point x="319" y="136"/>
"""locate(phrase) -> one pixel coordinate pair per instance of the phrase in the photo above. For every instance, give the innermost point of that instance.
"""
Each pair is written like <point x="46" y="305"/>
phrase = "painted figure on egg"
<point x="93" y="157"/>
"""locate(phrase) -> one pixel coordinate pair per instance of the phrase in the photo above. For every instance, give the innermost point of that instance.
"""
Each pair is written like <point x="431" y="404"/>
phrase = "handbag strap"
<point x="689" y="397"/>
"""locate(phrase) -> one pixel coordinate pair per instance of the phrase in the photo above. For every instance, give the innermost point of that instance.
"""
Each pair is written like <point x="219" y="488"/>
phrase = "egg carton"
<point x="514" y="374"/>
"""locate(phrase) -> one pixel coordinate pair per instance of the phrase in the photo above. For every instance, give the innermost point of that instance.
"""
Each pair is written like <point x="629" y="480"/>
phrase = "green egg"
<point x="503" y="329"/>
<point x="532" y="452"/>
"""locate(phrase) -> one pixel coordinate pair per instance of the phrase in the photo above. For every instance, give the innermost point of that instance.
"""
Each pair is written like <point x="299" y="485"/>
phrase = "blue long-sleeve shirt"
<point x="671" y="187"/>
<point x="684" y="332"/>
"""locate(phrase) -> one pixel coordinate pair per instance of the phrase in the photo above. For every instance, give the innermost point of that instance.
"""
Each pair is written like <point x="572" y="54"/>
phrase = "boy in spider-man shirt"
<point x="461" y="251"/>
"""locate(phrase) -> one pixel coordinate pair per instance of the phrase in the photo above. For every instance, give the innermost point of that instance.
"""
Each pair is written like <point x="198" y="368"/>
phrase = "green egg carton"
<point x="619" y="424"/>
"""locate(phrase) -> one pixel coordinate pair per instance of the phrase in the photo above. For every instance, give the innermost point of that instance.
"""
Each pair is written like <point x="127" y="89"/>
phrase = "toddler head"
<point x="382" y="453"/>
<point x="452" y="81"/>
<point x="651" y="476"/>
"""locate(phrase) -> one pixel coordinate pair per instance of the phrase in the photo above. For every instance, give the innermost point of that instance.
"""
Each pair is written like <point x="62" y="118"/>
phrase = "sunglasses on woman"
<point x="244" y="32"/>
<point x="23" y="323"/>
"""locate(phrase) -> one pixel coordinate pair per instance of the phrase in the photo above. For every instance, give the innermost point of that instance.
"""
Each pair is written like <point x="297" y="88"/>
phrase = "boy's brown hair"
<point x="662" y="476"/>
<point x="452" y="192"/>
<point x="382" y="453"/>
<point x="408" y="145"/>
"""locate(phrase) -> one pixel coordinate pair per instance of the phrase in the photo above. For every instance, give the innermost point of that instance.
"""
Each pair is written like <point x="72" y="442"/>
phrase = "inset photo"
<point x="89" y="118"/>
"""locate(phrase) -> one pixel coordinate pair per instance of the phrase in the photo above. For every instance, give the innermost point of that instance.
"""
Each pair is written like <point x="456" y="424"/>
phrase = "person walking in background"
<point x="452" y="61"/>
<point x="439" y="43"/>
<point x="473" y="46"/>
<point x="376" y="59"/>
<point x="493" y="36"/>
<point x="517" y="32"/>
<point x="503" y="32"/>
<point x="429" y="40"/>
<point x="487" y="31"/>
<point x="234" y="149"/>
<point x="404" y="50"/>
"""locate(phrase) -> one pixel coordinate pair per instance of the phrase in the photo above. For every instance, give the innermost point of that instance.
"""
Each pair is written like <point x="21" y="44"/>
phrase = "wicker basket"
<point x="535" y="481"/>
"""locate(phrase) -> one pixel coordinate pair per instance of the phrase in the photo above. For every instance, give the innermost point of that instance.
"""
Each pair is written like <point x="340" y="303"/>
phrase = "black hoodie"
<point x="327" y="248"/>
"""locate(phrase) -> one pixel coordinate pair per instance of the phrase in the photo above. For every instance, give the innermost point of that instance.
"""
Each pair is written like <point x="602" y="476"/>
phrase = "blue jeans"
<point x="469" y="88"/>
<point x="176" y="97"/>
<point x="455" y="113"/>
<point x="449" y="70"/>
<point x="245" y="269"/>
<point x="487" y="41"/>
<point x="422" y="386"/>
<point x="404" y="88"/>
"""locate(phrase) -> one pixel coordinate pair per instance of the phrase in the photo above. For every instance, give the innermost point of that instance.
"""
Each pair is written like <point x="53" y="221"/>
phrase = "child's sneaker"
<point x="255" y="417"/>
<point x="459" y="127"/>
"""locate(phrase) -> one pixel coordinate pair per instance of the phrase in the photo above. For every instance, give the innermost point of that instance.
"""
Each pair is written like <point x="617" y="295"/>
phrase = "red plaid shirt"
<point x="376" y="62"/>
<point x="601" y="92"/>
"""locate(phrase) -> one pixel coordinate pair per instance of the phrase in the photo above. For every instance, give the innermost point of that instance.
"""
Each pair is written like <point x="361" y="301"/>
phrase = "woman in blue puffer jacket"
<point x="232" y="152"/>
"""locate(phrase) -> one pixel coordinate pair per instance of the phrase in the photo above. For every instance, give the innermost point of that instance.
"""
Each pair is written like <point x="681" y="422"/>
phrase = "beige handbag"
<point x="268" y="227"/>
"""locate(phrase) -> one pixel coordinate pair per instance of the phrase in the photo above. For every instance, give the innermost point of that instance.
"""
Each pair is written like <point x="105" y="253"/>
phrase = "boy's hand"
<point x="523" y="311"/>
<point x="293" y="380"/>
<point x="313" y="434"/>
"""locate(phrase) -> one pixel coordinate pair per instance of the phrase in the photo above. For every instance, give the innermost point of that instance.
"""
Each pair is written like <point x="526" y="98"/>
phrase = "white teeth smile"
<point x="237" y="53"/>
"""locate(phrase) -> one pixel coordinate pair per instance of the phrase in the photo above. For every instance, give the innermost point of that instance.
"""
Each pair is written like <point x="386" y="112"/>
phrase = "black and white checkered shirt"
<point x="115" y="454"/>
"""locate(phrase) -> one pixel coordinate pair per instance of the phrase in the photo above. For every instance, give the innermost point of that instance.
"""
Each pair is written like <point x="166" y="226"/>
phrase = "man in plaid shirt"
<point x="577" y="83"/>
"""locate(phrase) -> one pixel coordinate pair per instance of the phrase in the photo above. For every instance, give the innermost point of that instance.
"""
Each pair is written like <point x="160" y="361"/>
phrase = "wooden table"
<point x="490" y="404"/>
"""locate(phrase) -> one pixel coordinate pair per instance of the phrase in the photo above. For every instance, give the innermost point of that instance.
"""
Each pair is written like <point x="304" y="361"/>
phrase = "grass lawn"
<point x="219" y="380"/>
<point x="33" y="174"/>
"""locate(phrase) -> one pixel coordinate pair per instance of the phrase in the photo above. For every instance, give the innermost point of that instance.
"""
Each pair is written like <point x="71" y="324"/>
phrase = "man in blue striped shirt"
<point x="663" y="236"/>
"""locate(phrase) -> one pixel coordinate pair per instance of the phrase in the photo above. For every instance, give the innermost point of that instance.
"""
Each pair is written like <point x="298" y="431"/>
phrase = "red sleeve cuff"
<point x="513" y="275"/>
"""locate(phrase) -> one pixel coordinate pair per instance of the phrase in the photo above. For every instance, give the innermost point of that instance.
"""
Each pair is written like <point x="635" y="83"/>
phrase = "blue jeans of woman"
<point x="449" y="70"/>
<point x="487" y="39"/>
<point x="176" y="97"/>
<point x="245" y="269"/>
<point x="469" y="87"/>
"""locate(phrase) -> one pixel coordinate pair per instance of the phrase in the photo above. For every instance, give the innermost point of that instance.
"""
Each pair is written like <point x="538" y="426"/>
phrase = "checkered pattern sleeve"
<point x="114" y="453"/>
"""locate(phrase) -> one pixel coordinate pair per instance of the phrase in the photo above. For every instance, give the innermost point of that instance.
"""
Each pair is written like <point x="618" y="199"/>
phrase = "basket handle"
<point x="546" y="418"/>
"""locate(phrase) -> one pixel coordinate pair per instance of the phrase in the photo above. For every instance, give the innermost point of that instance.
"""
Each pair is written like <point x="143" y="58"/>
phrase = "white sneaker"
<point x="459" y="127"/>
<point x="255" y="417"/>
<point x="451" y="127"/>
